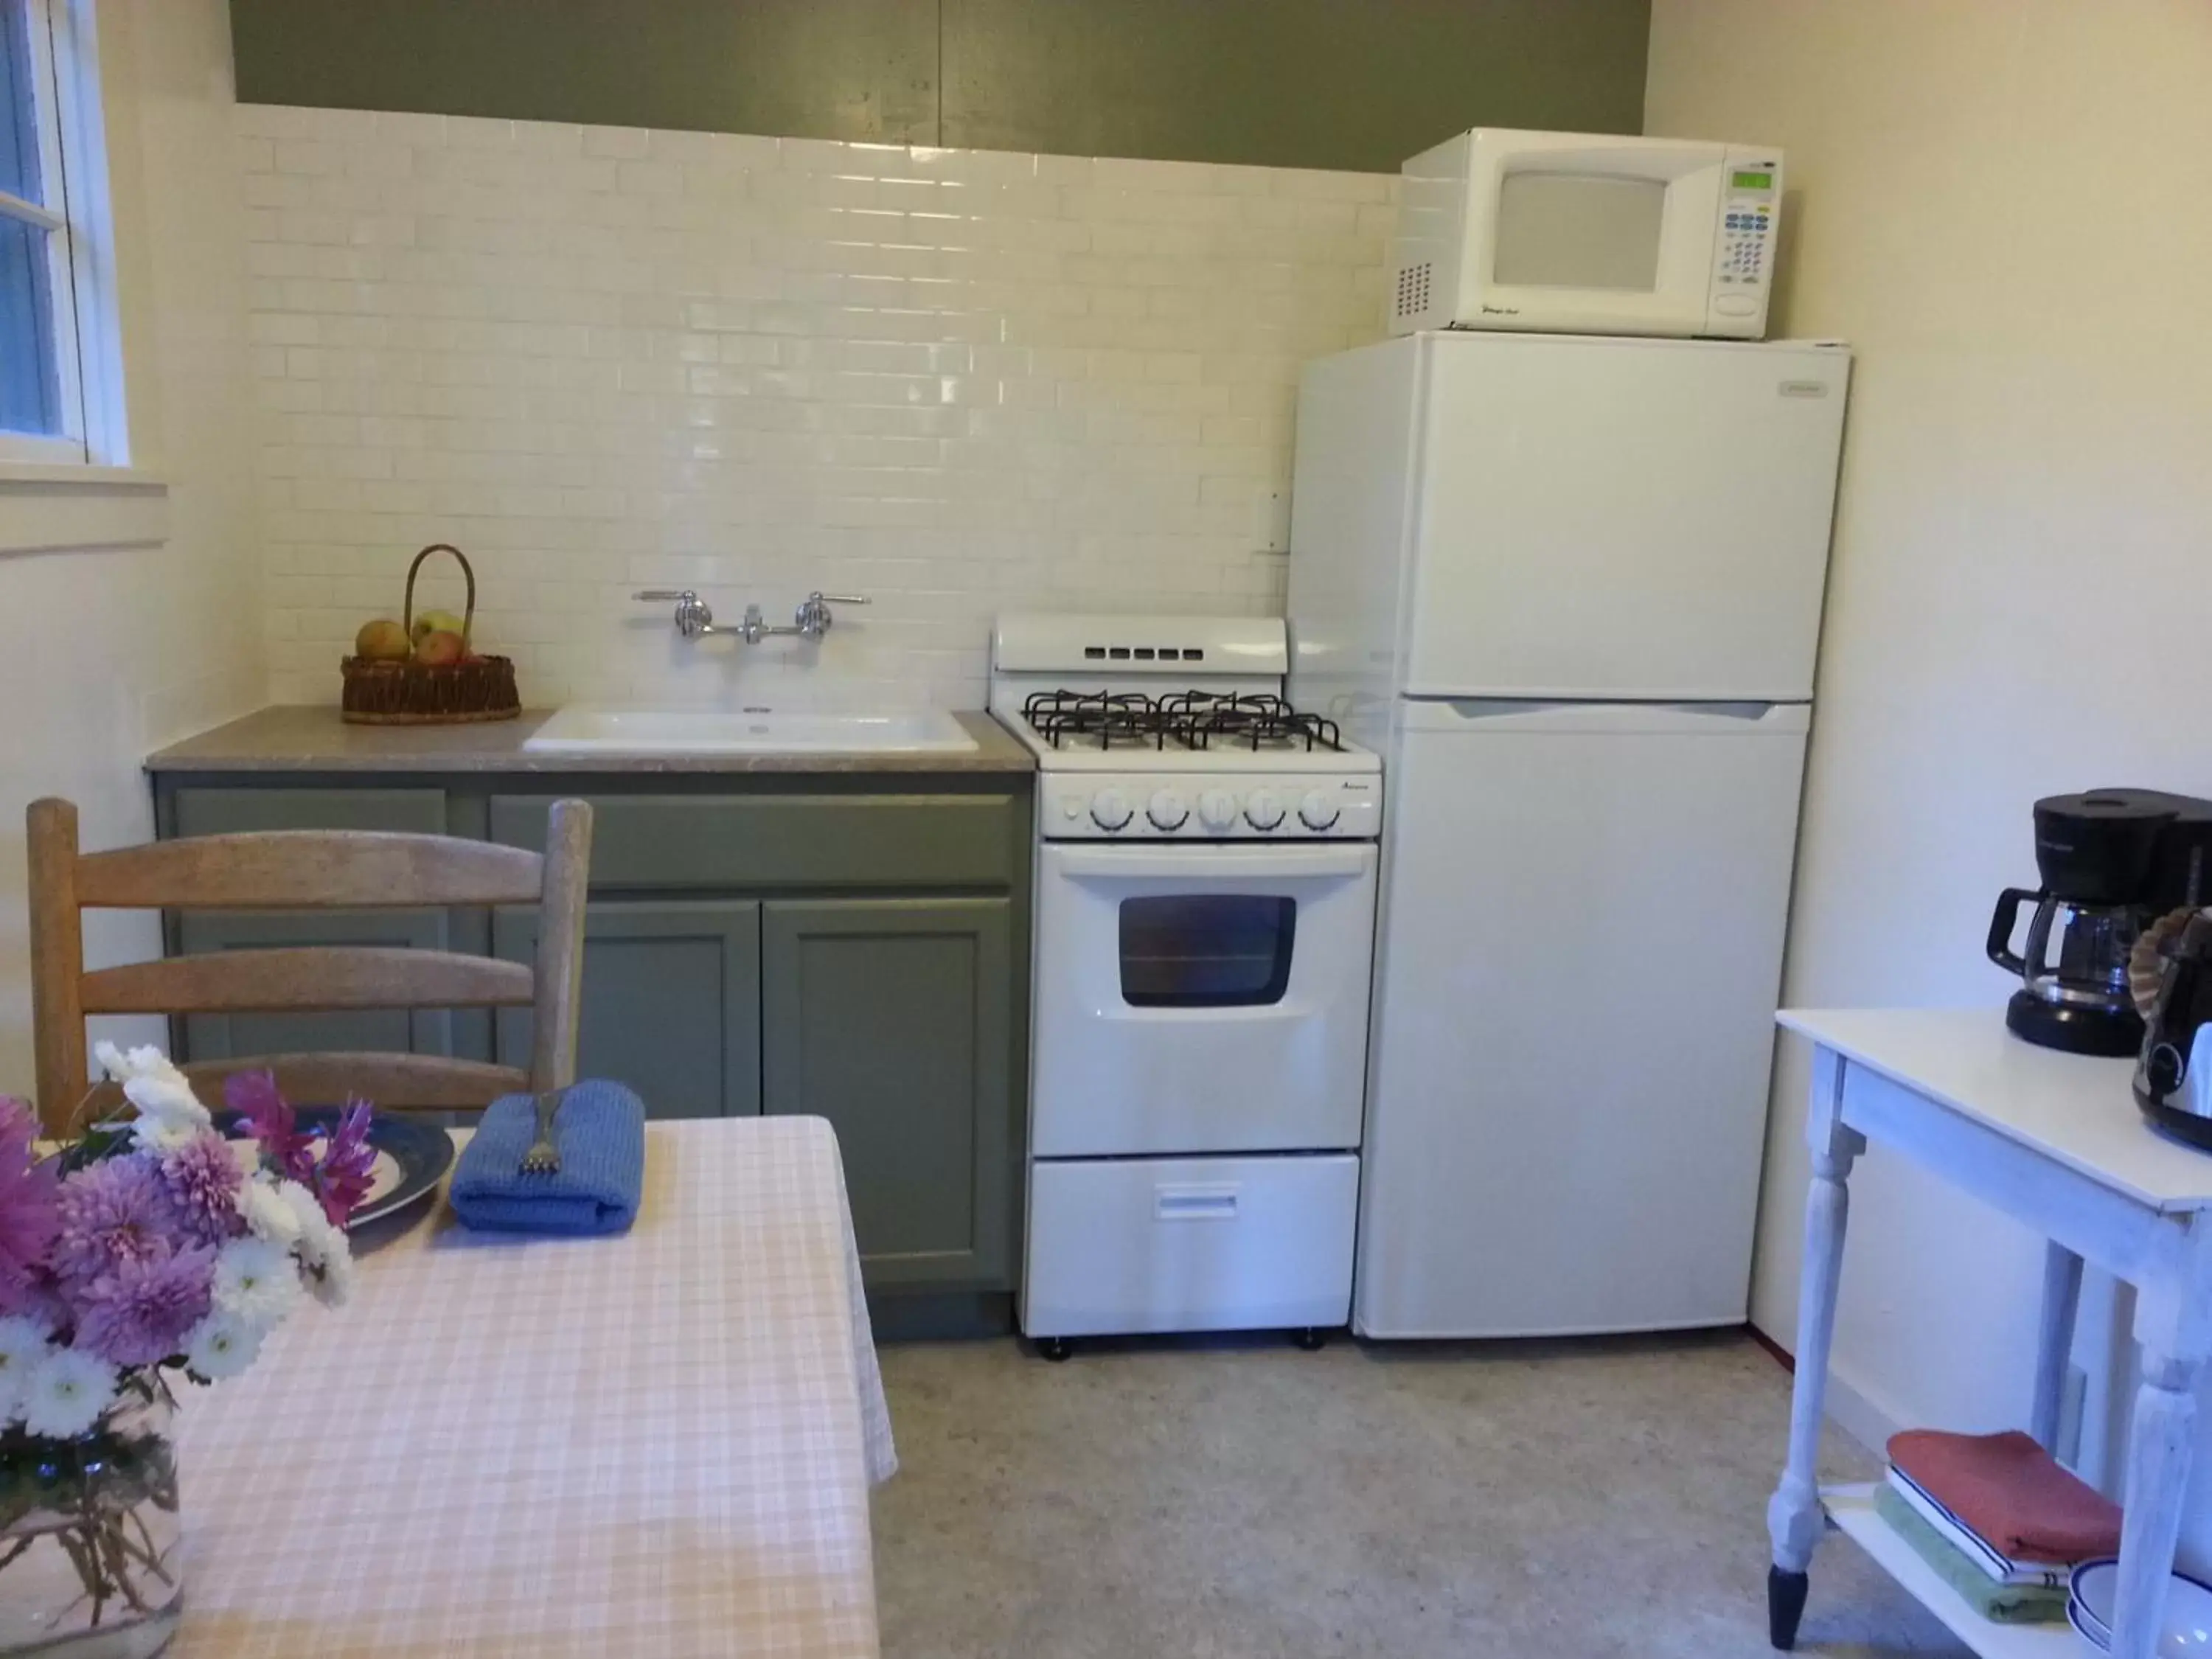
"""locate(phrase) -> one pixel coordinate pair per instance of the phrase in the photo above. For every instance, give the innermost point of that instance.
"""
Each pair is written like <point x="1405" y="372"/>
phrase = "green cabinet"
<point x="889" y="1017"/>
<point x="422" y="1030"/>
<point x="847" y="946"/>
<point x="672" y="1000"/>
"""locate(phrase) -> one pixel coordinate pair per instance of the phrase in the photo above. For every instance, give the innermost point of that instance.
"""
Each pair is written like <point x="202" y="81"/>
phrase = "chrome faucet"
<point x="694" y="620"/>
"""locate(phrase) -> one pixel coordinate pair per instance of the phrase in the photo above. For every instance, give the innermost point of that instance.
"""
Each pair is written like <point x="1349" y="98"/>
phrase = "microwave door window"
<point x="1206" y="950"/>
<point x="1578" y="230"/>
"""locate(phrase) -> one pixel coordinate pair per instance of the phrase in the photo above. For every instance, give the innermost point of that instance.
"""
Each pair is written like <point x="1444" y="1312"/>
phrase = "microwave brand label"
<point x="1501" y="311"/>
<point x="1804" y="388"/>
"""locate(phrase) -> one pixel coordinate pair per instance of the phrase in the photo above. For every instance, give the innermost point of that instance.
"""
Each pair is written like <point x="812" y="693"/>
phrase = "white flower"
<point x="23" y="1347"/>
<point x="169" y="1113"/>
<point x="333" y="1286"/>
<point x="316" y="1238"/>
<point x="69" y="1391"/>
<point x="267" y="1215"/>
<point x="255" y="1281"/>
<point x="222" y="1346"/>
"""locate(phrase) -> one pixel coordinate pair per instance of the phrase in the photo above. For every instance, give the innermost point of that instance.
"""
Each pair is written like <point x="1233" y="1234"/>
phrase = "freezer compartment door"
<point x="1623" y="518"/>
<point x="1189" y="1244"/>
<point x="1581" y="938"/>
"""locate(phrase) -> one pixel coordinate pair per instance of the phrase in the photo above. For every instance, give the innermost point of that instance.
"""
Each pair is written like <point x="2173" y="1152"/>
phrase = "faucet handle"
<point x="664" y="595"/>
<point x="818" y="597"/>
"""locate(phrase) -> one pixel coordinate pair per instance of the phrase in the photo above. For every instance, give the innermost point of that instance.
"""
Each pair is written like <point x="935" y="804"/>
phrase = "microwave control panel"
<point x="1750" y="209"/>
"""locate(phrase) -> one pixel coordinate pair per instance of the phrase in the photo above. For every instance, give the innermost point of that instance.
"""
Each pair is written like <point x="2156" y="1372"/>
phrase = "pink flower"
<point x="140" y="1314"/>
<point x="28" y="1216"/>
<point x="254" y="1097"/>
<point x="114" y="1214"/>
<point x="203" y="1178"/>
<point x="343" y="1178"/>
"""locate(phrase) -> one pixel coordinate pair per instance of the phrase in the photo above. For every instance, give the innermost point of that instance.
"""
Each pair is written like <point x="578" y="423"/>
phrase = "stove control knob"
<point x="1317" y="811"/>
<point x="1110" y="809"/>
<point x="1262" y="810"/>
<point x="1166" y="810"/>
<point x="1217" y="810"/>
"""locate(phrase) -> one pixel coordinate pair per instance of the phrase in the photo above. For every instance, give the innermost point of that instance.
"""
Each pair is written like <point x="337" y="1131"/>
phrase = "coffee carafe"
<point x="2112" y="860"/>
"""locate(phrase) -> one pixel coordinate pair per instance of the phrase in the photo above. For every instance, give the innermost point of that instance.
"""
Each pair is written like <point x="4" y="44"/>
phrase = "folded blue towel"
<point x="600" y="1130"/>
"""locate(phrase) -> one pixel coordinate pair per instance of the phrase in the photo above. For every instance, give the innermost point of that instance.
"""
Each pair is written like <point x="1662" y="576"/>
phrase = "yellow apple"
<point x="381" y="640"/>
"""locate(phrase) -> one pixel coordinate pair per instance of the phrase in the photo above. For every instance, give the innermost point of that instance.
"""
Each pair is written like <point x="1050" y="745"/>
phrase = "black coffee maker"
<point x="2112" y="861"/>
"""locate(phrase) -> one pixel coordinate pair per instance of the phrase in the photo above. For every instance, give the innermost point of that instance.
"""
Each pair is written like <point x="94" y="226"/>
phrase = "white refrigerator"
<point x="1570" y="586"/>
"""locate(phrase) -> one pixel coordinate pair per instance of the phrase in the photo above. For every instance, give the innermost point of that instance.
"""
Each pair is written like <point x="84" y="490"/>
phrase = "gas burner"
<point x="1192" y="720"/>
<point x="1129" y="718"/>
<point x="1250" y="720"/>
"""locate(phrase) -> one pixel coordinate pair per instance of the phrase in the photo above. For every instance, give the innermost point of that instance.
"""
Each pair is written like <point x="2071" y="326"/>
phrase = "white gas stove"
<point x="1150" y="728"/>
<point x="1200" y="1044"/>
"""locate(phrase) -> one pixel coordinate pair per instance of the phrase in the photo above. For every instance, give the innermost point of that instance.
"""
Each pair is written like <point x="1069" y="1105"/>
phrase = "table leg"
<point x="1794" y="1519"/>
<point x="2054" y="1351"/>
<point x="2174" y="1331"/>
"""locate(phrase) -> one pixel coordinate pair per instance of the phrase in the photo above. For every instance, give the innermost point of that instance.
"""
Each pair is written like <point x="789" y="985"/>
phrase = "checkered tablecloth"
<point x="659" y="1445"/>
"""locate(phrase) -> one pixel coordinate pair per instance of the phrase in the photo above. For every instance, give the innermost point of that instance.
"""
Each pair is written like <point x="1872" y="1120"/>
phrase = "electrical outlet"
<point x="1271" y="526"/>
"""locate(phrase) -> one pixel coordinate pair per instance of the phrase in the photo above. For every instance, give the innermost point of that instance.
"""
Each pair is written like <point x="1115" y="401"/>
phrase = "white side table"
<point x="2055" y="1141"/>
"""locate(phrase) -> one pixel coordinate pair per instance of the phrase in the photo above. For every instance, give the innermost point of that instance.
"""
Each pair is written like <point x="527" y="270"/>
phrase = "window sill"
<point x="49" y="508"/>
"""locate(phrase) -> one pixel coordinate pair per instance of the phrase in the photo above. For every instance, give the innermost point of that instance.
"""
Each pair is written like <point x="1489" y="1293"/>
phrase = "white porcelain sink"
<point x="597" y="729"/>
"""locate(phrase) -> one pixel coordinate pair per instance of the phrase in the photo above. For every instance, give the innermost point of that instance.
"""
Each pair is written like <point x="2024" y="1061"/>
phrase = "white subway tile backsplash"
<point x="602" y="358"/>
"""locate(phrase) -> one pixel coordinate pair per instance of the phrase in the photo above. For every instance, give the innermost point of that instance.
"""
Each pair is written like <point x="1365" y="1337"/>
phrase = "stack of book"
<point x="1998" y="1518"/>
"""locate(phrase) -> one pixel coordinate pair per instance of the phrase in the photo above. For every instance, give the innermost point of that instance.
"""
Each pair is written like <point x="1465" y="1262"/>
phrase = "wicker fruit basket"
<point x="380" y="691"/>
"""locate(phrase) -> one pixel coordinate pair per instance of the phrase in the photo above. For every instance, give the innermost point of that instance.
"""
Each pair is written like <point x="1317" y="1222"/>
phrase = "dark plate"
<point x="422" y="1151"/>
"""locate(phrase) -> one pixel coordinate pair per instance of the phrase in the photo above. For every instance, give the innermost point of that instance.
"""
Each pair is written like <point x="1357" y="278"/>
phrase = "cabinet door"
<point x="225" y="1036"/>
<point x="671" y="1001"/>
<point x="893" y="1019"/>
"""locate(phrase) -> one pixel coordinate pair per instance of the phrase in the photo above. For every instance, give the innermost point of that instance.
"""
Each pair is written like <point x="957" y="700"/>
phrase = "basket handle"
<point x="468" y="574"/>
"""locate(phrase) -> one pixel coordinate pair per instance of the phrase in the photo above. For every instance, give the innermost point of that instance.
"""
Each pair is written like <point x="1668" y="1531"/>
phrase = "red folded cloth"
<point x="2008" y="1490"/>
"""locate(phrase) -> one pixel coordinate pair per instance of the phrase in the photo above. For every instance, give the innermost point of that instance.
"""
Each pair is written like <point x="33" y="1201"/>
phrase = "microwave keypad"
<point x="1743" y="248"/>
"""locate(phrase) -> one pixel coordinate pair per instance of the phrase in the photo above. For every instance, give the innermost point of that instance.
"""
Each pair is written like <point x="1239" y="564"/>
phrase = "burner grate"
<point x="1195" y="719"/>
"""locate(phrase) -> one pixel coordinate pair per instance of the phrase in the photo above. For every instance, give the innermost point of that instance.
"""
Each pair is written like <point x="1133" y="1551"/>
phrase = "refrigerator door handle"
<point x="1739" y="718"/>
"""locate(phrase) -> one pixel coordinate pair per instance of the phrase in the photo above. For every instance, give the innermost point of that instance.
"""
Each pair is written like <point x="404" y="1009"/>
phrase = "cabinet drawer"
<point x="1189" y="1244"/>
<point x="766" y="841"/>
<point x="235" y="812"/>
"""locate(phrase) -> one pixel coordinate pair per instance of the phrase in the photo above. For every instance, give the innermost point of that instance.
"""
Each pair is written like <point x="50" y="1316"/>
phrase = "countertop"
<point x="311" y="738"/>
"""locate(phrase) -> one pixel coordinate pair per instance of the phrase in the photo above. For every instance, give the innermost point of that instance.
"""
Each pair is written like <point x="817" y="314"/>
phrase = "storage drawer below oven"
<point x="1189" y="1244"/>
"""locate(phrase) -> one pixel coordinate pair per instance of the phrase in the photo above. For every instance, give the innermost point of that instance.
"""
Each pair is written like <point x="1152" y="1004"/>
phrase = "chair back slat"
<point x="314" y="978"/>
<point x="308" y="869"/>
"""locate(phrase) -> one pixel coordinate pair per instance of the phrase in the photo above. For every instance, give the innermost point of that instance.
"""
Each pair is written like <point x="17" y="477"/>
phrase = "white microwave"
<point x="1586" y="233"/>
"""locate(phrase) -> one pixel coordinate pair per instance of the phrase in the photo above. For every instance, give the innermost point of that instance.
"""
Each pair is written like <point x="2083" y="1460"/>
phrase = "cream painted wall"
<point x="107" y="654"/>
<point x="2006" y="205"/>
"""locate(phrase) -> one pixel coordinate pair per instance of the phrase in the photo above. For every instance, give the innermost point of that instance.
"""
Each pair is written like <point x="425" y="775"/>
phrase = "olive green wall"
<point x="1355" y="84"/>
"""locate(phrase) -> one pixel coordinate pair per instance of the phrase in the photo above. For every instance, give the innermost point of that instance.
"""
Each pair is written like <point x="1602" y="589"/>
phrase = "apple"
<point x="437" y="622"/>
<point x="381" y="640"/>
<point x="440" y="649"/>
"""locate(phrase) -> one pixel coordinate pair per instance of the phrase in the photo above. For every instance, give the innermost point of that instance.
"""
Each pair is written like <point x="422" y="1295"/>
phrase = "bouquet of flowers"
<point x="145" y="1249"/>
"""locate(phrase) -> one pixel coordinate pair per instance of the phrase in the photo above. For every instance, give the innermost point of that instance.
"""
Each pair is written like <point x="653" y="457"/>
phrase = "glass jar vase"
<point x="89" y="1565"/>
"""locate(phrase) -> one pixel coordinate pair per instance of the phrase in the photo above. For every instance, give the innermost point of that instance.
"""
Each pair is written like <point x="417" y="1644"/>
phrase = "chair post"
<point x="559" y="987"/>
<point x="56" y="962"/>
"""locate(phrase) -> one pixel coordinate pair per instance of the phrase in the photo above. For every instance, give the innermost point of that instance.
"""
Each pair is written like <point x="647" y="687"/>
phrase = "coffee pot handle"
<point x="2002" y="924"/>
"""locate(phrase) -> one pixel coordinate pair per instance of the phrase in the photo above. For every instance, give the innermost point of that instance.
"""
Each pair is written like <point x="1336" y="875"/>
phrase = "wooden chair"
<point x="307" y="870"/>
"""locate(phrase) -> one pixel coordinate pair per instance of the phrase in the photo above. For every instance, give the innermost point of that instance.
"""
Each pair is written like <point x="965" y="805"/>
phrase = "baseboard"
<point x="1852" y="1408"/>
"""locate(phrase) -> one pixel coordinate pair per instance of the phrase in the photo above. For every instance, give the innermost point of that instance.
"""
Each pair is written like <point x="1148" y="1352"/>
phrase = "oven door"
<point x="1193" y="999"/>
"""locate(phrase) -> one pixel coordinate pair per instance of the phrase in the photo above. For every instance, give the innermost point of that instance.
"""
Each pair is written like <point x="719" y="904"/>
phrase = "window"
<point x="1206" y="950"/>
<point x="50" y="187"/>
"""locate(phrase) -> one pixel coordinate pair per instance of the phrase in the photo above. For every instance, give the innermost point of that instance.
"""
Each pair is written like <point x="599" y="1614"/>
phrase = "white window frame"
<point x="73" y="177"/>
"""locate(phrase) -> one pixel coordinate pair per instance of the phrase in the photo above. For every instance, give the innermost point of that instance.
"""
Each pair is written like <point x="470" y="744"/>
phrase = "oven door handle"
<point x="1226" y="866"/>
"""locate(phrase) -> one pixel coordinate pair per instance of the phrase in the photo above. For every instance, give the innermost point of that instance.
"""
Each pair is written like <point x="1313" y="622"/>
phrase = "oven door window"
<point x="1206" y="950"/>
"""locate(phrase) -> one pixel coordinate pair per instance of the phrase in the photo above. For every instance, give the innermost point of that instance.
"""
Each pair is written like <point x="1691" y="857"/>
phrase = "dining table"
<point x="659" y="1444"/>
